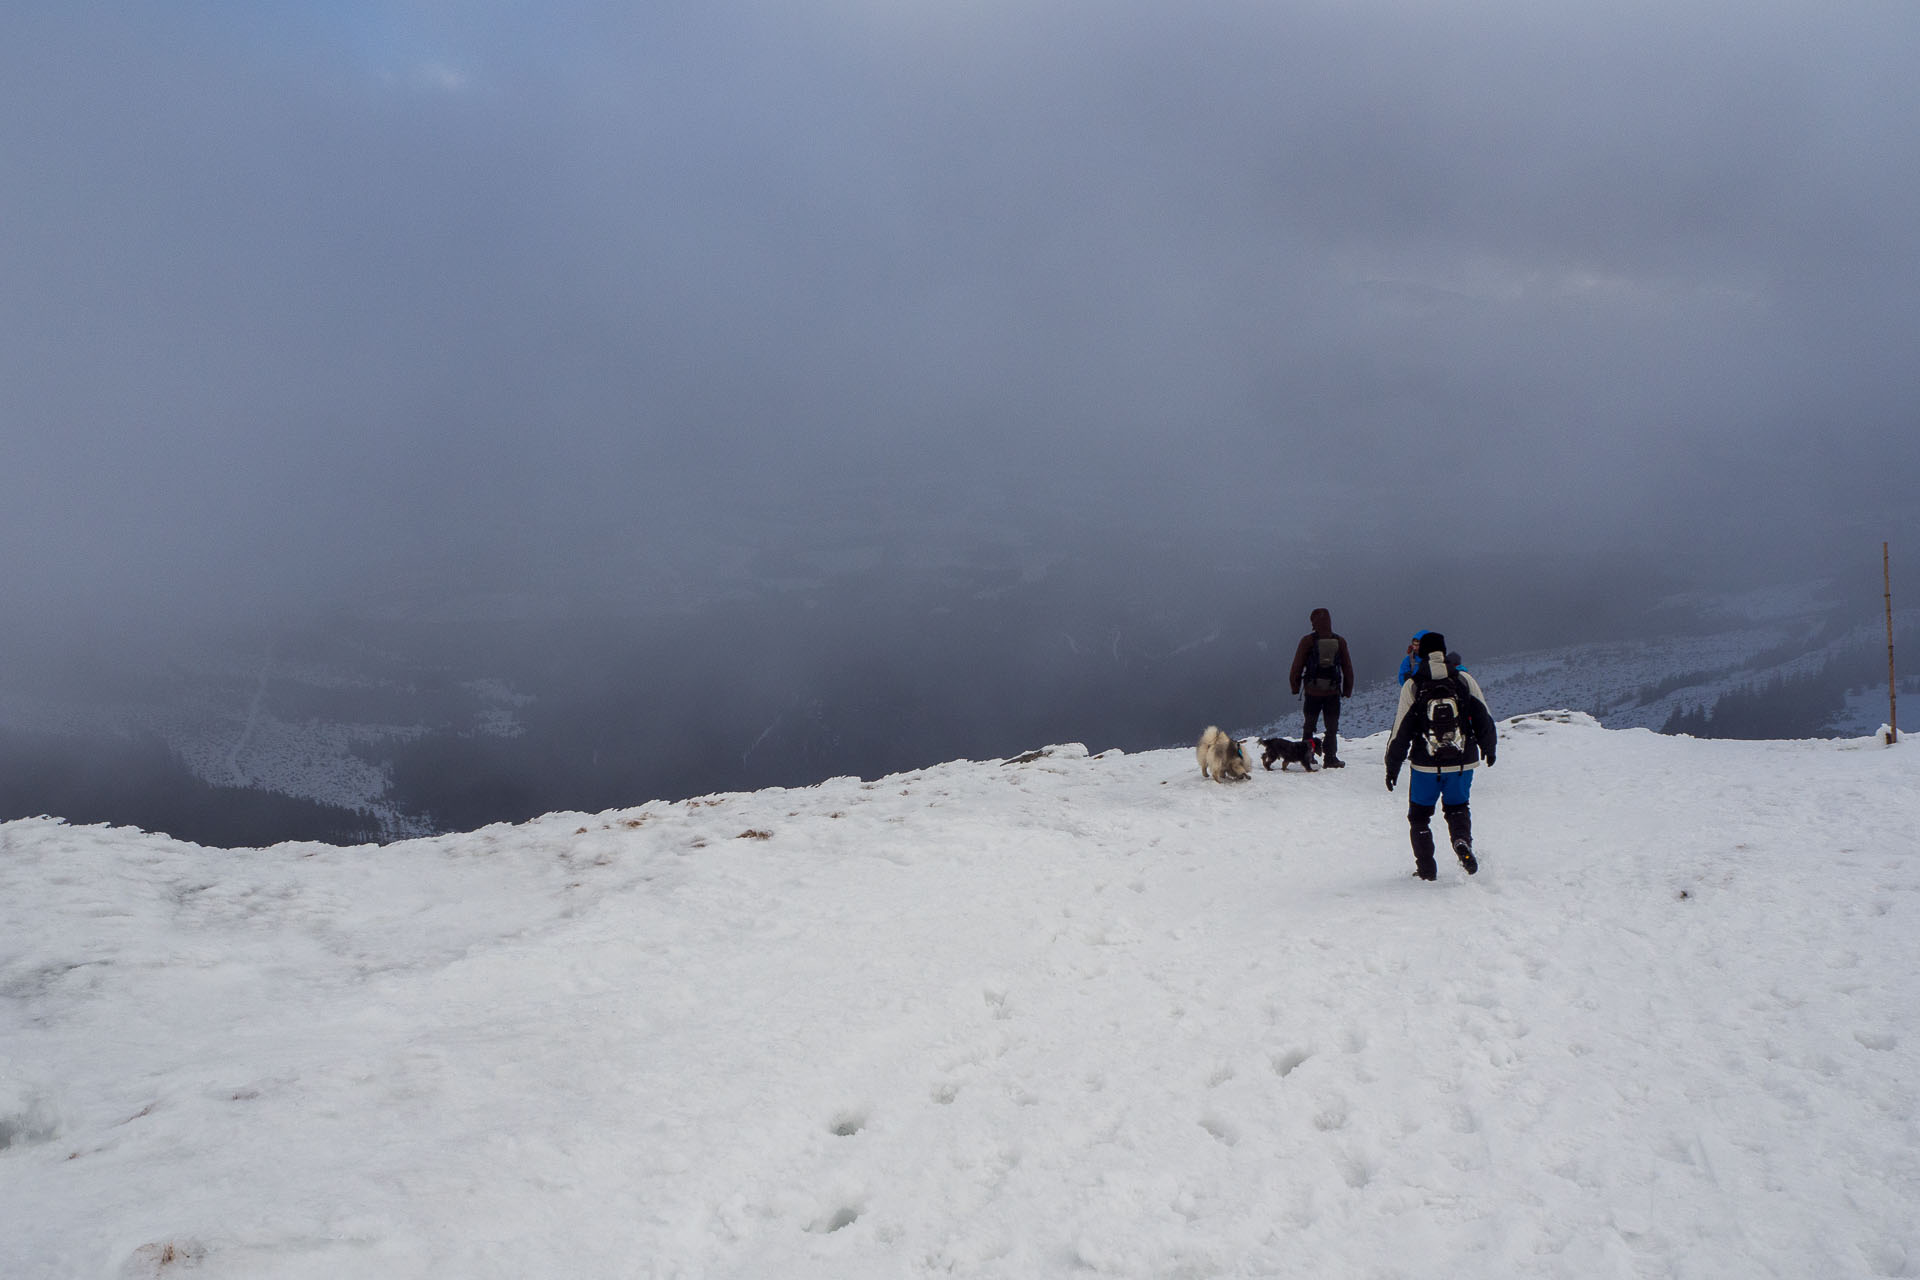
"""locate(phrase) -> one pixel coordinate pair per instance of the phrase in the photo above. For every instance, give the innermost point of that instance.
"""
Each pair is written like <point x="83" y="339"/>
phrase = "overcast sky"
<point x="293" y="296"/>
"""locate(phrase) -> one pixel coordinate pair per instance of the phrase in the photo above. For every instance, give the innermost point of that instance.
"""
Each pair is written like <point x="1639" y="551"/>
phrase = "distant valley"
<point x="378" y="728"/>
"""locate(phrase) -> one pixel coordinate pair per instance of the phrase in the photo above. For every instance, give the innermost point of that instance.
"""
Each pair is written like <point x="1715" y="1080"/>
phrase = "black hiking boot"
<point x="1460" y="835"/>
<point x="1333" y="762"/>
<point x="1423" y="854"/>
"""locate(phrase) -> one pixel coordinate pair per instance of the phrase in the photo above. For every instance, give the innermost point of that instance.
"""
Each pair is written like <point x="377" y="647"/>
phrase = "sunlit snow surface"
<point x="1072" y="1017"/>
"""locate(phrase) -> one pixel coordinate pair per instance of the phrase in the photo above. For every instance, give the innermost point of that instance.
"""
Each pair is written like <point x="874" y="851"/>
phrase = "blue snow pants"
<point x="1427" y="789"/>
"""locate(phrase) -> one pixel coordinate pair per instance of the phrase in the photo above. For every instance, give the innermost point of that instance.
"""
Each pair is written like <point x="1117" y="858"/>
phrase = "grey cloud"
<point x="292" y="306"/>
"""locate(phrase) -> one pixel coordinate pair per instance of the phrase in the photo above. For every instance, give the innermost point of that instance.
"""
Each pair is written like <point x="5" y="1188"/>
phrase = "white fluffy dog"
<point x="1221" y="758"/>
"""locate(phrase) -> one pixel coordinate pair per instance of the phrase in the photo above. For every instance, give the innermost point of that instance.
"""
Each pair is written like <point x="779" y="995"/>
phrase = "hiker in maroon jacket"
<point x="1322" y="663"/>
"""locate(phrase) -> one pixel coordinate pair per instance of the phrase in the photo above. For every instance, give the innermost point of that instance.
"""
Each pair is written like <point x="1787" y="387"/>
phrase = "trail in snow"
<point x="755" y="745"/>
<point x="235" y="774"/>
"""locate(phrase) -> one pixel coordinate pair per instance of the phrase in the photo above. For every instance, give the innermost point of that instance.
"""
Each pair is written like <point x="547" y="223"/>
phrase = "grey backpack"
<point x="1323" y="667"/>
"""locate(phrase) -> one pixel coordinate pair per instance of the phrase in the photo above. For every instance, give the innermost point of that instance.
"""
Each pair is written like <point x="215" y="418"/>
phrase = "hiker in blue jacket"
<point x="1444" y="724"/>
<point x="1413" y="656"/>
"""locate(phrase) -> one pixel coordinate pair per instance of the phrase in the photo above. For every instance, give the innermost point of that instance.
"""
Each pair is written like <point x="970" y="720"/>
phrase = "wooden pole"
<point x="1886" y="574"/>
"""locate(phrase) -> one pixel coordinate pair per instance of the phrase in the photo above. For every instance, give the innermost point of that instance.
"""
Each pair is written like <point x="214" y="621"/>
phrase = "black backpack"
<point x="1448" y="725"/>
<point x="1323" y="667"/>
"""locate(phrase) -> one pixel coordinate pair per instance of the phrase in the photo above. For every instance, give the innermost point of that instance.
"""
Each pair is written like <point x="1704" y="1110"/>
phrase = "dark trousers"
<point x="1328" y="705"/>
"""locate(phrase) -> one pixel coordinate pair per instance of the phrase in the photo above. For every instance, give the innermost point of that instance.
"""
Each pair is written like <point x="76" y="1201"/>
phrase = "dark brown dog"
<point x="1287" y="752"/>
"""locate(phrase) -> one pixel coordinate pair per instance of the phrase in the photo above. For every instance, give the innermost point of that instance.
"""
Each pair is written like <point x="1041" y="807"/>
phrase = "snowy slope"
<point x="1081" y="1016"/>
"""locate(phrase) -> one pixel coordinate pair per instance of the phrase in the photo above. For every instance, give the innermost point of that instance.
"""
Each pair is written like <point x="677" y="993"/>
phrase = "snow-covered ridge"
<point x="1641" y="683"/>
<point x="1076" y="1016"/>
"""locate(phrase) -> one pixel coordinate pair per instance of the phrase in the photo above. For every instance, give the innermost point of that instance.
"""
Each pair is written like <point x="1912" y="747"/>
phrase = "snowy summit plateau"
<point x="1064" y="1016"/>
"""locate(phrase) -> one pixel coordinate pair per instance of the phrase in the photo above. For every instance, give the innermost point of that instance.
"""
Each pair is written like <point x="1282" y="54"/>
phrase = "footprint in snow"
<point x="845" y="1216"/>
<point x="1221" y="1130"/>
<point x="1284" y="1063"/>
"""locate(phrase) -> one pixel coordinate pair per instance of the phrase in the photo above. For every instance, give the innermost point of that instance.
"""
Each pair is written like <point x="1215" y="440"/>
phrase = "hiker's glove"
<point x="1489" y="757"/>
<point x="1391" y="779"/>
